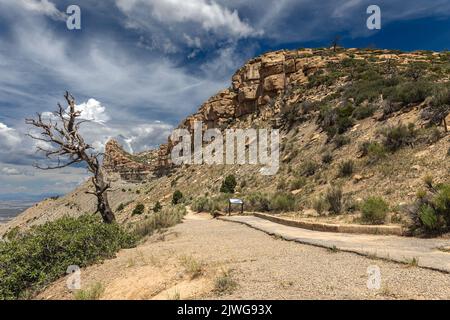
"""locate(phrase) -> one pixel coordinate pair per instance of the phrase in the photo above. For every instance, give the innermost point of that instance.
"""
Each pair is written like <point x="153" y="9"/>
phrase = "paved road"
<point x="394" y="248"/>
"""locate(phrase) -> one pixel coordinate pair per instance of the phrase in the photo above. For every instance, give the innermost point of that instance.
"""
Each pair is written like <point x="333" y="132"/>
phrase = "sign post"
<point x="235" y="201"/>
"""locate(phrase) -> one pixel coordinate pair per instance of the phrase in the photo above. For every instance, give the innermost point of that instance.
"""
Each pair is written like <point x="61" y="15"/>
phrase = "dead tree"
<point x="335" y="43"/>
<point x="66" y="147"/>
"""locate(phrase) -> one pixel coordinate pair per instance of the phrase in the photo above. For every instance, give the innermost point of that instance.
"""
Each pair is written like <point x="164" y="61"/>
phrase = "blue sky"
<point x="137" y="67"/>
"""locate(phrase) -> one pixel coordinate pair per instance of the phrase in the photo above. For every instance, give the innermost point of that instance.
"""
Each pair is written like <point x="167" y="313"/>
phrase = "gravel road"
<point x="264" y="267"/>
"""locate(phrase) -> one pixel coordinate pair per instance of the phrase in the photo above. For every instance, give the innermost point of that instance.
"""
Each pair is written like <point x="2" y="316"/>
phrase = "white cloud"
<point x="10" y="171"/>
<point x="9" y="137"/>
<point x="45" y="7"/>
<point x="92" y="110"/>
<point x="210" y="15"/>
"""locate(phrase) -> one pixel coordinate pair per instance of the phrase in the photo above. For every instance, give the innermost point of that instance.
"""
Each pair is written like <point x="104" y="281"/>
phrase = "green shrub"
<point x="428" y="217"/>
<point x="257" y="202"/>
<point x="166" y="218"/>
<point x="327" y="158"/>
<point x="309" y="168"/>
<point x="92" y="293"/>
<point x="298" y="183"/>
<point x="177" y="197"/>
<point x="364" y="148"/>
<point x="282" y="185"/>
<point x="433" y="209"/>
<point x="157" y="207"/>
<point x="346" y="168"/>
<point x="229" y="184"/>
<point x="409" y="92"/>
<point x="374" y="210"/>
<point x="36" y="257"/>
<point x="333" y="196"/>
<point x="341" y="140"/>
<point x="398" y="136"/>
<point x="192" y="266"/>
<point x="363" y="112"/>
<point x="224" y="283"/>
<point x="320" y="204"/>
<point x="204" y="204"/>
<point x="120" y="207"/>
<point x="138" y="210"/>
<point x="282" y="202"/>
<point x="201" y="204"/>
<point x="375" y="152"/>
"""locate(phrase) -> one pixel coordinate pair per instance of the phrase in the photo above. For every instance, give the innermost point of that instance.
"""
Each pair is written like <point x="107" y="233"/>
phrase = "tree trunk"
<point x="104" y="208"/>
<point x="101" y="193"/>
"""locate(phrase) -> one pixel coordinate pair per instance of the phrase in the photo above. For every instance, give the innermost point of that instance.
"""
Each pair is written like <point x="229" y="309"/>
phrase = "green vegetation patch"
<point x="36" y="257"/>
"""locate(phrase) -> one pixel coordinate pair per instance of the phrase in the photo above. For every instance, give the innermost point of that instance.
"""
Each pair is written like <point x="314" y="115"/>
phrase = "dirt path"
<point x="166" y="266"/>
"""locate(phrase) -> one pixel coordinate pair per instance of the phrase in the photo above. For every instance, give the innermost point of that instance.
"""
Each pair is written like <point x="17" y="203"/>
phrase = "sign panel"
<point x="236" y="201"/>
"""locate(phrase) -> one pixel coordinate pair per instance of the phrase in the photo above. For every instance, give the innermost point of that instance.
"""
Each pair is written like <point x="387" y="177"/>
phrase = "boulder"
<point x="248" y="93"/>
<point x="274" y="82"/>
<point x="253" y="72"/>
<point x="289" y="66"/>
<point x="272" y="64"/>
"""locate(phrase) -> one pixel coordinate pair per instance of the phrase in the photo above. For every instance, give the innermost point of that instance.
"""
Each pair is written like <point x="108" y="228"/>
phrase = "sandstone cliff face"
<point x="254" y="86"/>
<point x="259" y="90"/>
<point x="254" y="89"/>
<point x="128" y="167"/>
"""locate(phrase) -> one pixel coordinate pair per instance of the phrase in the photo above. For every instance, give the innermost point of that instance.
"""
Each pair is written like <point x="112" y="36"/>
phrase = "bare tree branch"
<point x="67" y="147"/>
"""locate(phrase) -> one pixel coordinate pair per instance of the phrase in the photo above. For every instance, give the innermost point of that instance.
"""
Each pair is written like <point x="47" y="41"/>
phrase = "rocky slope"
<point x="328" y="105"/>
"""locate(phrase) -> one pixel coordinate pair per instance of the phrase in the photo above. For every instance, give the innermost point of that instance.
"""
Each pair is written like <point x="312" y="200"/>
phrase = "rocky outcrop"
<point x="258" y="90"/>
<point x="253" y="88"/>
<point x="119" y="162"/>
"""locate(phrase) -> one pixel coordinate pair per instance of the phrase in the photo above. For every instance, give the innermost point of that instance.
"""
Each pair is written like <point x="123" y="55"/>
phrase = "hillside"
<point x="368" y="121"/>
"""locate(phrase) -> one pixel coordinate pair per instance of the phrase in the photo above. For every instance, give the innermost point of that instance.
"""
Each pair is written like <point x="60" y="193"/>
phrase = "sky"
<point x="138" y="67"/>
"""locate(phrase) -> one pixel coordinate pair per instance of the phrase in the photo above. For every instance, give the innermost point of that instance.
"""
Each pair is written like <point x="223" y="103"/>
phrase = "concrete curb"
<point x="328" y="227"/>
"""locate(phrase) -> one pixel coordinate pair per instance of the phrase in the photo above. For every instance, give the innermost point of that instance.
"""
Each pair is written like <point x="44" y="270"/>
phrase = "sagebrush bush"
<point x="341" y="140"/>
<point x="346" y="168"/>
<point x="282" y="202"/>
<point x="224" y="283"/>
<point x="34" y="258"/>
<point x="92" y="293"/>
<point x="309" y="168"/>
<point x="333" y="196"/>
<point x="327" y="157"/>
<point x="374" y="210"/>
<point x="375" y="152"/>
<point x="396" y="137"/>
<point x="409" y="92"/>
<point x="165" y="218"/>
<point x="205" y="204"/>
<point x="363" y="112"/>
<point x="257" y="202"/>
<point x="139" y="209"/>
<point x="298" y="183"/>
<point x="320" y="204"/>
